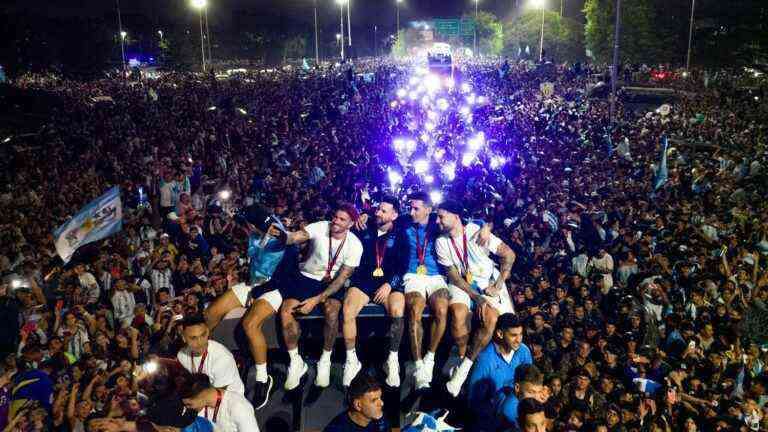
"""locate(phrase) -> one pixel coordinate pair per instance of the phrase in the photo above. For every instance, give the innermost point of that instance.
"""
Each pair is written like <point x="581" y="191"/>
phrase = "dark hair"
<point x="528" y="373"/>
<point x="362" y="384"/>
<point x="528" y="406"/>
<point x="421" y="196"/>
<point x="507" y="321"/>
<point x="349" y="209"/>
<point x="193" y="320"/>
<point x="393" y="201"/>
<point x="197" y="383"/>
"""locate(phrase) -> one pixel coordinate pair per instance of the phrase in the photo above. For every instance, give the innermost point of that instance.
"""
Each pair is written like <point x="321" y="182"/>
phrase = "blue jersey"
<point x="490" y="374"/>
<point x="425" y="233"/>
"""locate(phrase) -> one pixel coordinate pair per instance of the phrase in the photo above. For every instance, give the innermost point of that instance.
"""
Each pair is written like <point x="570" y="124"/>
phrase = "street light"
<point x="690" y="37"/>
<point x="474" y="38"/>
<point x="160" y="32"/>
<point x="200" y="5"/>
<point x="397" y="7"/>
<point x="540" y="4"/>
<point x="121" y="32"/>
<point x="317" y="40"/>
<point x="341" y="25"/>
<point x="349" y="24"/>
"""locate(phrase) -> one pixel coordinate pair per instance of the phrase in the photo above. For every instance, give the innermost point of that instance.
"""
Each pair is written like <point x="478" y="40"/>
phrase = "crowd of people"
<point x="584" y="282"/>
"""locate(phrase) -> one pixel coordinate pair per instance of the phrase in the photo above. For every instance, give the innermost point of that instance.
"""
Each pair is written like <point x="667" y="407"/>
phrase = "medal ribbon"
<point x="381" y="250"/>
<point x="332" y="261"/>
<point x="219" y="397"/>
<point x="421" y="250"/>
<point x="202" y="362"/>
<point x="465" y="259"/>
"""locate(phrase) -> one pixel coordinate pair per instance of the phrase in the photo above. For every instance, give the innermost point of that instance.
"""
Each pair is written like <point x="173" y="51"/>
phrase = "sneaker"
<point x="424" y="374"/>
<point x="296" y="370"/>
<point x="323" y="378"/>
<point x="420" y="376"/>
<point x="261" y="393"/>
<point x="457" y="380"/>
<point x="392" y="367"/>
<point x="350" y="372"/>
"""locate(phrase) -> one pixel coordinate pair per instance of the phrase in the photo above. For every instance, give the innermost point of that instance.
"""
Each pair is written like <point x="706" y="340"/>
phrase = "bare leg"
<point x="484" y="333"/>
<point x="460" y="326"/>
<point x="354" y="302"/>
<point x="415" y="305"/>
<point x="439" y="307"/>
<point x="259" y="312"/>
<point x="331" y="310"/>
<point x="291" y="329"/>
<point x="220" y="308"/>
<point x="395" y="309"/>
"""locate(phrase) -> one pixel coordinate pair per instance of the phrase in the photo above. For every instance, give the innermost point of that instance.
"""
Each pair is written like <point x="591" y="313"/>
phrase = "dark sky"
<point x="364" y="12"/>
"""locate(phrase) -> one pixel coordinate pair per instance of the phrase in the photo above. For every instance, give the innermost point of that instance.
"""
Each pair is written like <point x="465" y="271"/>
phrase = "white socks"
<point x="294" y="355"/>
<point x="261" y="372"/>
<point x="393" y="356"/>
<point x="429" y="357"/>
<point x="325" y="357"/>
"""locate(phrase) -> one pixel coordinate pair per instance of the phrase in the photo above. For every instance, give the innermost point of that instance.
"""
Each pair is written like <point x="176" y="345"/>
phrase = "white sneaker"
<point x="350" y="372"/>
<point x="296" y="371"/>
<point x="323" y="378"/>
<point x="457" y="380"/>
<point x="392" y="367"/>
<point x="427" y="370"/>
<point x="420" y="376"/>
<point x="451" y="364"/>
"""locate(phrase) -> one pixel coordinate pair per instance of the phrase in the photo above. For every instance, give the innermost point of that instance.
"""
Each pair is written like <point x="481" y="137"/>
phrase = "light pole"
<point x="208" y="36"/>
<point x="317" y="40"/>
<point x="123" y="35"/>
<point x="540" y="4"/>
<point x="397" y="8"/>
<point x="349" y="24"/>
<point x="474" y="38"/>
<point x="690" y="37"/>
<point x="200" y="5"/>
<point x="614" y="69"/>
<point x="121" y="32"/>
<point x="341" y="26"/>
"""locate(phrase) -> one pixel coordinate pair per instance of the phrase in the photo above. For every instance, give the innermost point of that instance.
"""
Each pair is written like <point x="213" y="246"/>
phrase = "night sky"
<point x="364" y="12"/>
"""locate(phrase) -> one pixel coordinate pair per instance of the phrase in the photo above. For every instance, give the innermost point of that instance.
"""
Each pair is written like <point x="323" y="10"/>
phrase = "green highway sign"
<point x="454" y="27"/>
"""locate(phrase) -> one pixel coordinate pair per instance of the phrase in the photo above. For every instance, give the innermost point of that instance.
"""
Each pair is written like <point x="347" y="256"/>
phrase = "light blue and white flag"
<point x="99" y="219"/>
<point x="662" y="173"/>
<point x="304" y="64"/>
<point x="550" y="219"/>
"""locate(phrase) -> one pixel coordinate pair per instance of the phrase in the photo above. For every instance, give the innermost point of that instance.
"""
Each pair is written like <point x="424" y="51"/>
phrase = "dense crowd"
<point x="643" y="303"/>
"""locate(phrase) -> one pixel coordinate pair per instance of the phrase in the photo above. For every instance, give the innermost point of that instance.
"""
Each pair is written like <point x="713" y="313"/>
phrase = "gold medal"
<point x="379" y="272"/>
<point x="422" y="270"/>
<point x="469" y="277"/>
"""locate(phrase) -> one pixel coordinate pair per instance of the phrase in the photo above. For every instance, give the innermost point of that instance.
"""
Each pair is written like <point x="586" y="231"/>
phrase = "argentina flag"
<point x="662" y="173"/>
<point x="101" y="218"/>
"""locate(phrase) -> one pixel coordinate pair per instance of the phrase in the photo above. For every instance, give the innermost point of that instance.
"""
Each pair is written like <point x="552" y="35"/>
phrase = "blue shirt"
<point x="490" y="374"/>
<point x="429" y="232"/>
<point x="342" y="423"/>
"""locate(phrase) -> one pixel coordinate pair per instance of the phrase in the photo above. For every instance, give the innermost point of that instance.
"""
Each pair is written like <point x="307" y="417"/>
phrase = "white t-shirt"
<point x="314" y="267"/>
<point x="167" y="190"/>
<point x="235" y="414"/>
<point x="219" y="365"/>
<point x="480" y="263"/>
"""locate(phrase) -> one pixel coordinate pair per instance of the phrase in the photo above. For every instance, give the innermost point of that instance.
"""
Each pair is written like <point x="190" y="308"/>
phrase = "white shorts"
<point x="423" y="284"/>
<point x="272" y="297"/>
<point x="243" y="294"/>
<point x="501" y="301"/>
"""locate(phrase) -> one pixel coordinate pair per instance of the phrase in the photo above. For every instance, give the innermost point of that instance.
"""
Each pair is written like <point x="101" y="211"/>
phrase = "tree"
<point x="562" y="36"/>
<point x="295" y="47"/>
<point x="641" y="39"/>
<point x="490" y="34"/>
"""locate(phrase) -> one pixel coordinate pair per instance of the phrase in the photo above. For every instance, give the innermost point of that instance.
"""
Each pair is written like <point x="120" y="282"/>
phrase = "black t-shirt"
<point x="342" y="423"/>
